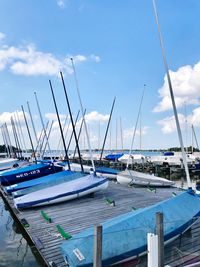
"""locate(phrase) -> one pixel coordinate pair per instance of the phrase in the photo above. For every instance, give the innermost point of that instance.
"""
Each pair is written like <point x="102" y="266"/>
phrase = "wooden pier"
<point x="79" y="214"/>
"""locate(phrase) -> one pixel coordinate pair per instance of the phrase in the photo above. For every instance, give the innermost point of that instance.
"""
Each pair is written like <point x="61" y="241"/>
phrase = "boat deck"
<point x="79" y="214"/>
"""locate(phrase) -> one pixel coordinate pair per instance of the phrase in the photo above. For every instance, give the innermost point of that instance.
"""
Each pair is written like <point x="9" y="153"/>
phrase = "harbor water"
<point x="14" y="249"/>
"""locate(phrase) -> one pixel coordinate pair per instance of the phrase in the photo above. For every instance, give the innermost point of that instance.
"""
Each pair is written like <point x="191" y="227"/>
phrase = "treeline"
<point x="189" y="149"/>
<point x="3" y="149"/>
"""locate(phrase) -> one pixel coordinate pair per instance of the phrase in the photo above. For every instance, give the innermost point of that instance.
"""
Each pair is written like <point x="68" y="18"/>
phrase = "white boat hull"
<point x="129" y="177"/>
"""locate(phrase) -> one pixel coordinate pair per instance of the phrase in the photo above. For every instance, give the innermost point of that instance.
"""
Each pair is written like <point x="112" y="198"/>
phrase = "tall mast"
<point x="121" y="131"/>
<point x="42" y="123"/>
<point x="195" y="137"/>
<point x="8" y="139"/>
<point x="33" y="126"/>
<point x="105" y="137"/>
<point x="82" y="110"/>
<point x="20" y="128"/>
<point x="5" y="141"/>
<point x="172" y="96"/>
<point x="134" y="133"/>
<point x="29" y="134"/>
<point x="61" y="131"/>
<point x="72" y="122"/>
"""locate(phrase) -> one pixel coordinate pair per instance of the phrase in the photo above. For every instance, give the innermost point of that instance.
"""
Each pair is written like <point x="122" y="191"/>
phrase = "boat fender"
<point x="45" y="216"/>
<point x="64" y="234"/>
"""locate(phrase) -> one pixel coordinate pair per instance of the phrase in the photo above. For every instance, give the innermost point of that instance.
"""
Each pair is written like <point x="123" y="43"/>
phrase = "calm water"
<point x="14" y="250"/>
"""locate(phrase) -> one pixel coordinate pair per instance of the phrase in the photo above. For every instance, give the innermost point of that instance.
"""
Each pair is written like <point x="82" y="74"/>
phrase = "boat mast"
<point x="105" y="137"/>
<point x="72" y="122"/>
<point x="33" y="126"/>
<point x="20" y="128"/>
<point x="42" y="124"/>
<point x="134" y="133"/>
<point x="82" y="111"/>
<point x="121" y="131"/>
<point x="8" y="139"/>
<point x="5" y="141"/>
<point x="29" y="134"/>
<point x="59" y="122"/>
<point x="195" y="137"/>
<point x="172" y="96"/>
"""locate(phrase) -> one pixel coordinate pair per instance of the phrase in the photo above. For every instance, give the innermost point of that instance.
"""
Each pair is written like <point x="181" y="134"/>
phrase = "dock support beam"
<point x="97" y="246"/>
<point x="160" y="233"/>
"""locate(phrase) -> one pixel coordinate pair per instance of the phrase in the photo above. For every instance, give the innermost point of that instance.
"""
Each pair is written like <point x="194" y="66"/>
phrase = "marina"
<point x="67" y="201"/>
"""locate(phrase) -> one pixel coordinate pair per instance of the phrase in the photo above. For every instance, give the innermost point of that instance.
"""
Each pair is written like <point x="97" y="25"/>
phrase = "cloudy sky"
<point x="116" y="52"/>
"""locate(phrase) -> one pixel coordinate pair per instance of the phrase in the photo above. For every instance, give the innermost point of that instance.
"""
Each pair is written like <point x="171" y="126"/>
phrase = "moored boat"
<point x="62" y="192"/>
<point x="125" y="236"/>
<point x="129" y="177"/>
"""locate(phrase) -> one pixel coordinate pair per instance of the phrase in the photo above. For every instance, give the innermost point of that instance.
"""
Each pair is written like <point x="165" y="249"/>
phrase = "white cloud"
<point x="53" y="116"/>
<point x="186" y="84"/>
<point x="27" y="60"/>
<point x="194" y="118"/>
<point x="95" y="117"/>
<point x="168" y="124"/>
<point x="5" y="117"/>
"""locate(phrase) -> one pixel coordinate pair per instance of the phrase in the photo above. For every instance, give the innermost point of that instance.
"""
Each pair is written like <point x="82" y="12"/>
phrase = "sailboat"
<point x="125" y="236"/>
<point x="130" y="177"/>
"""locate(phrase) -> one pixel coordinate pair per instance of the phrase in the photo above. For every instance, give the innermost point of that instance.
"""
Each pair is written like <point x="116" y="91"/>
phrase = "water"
<point x="14" y="250"/>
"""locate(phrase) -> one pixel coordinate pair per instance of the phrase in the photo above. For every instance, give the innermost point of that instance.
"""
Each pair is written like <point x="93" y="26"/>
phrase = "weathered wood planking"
<point x="79" y="214"/>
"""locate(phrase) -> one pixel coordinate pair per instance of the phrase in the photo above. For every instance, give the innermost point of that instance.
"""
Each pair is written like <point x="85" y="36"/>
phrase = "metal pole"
<point x="82" y="110"/>
<point x="9" y="140"/>
<point x="97" y="246"/>
<point x="72" y="122"/>
<point x="58" y="117"/>
<point x="160" y="233"/>
<point x="79" y="134"/>
<point x="29" y="134"/>
<point x="48" y="135"/>
<point x="29" y="110"/>
<point x="42" y="124"/>
<point x="5" y="141"/>
<point x="107" y="130"/>
<point x="20" y="127"/>
<point x="172" y="97"/>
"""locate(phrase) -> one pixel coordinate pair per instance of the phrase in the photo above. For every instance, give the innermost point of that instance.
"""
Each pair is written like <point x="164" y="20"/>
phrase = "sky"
<point x="116" y="53"/>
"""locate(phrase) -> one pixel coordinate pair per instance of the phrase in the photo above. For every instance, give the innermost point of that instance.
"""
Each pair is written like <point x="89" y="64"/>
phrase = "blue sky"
<point x="116" y="51"/>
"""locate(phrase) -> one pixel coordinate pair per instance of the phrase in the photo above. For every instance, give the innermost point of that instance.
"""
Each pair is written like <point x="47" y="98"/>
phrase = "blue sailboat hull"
<point x="27" y="173"/>
<point x="125" y="236"/>
<point x="35" y="182"/>
<point x="114" y="157"/>
<point x="64" y="176"/>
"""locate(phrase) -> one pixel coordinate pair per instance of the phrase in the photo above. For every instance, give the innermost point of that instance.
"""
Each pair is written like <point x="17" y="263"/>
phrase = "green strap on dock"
<point x="45" y="216"/>
<point x="133" y="208"/>
<point x="173" y="194"/>
<point x="150" y="189"/>
<point x="24" y="223"/>
<point x="110" y="202"/>
<point x="63" y="233"/>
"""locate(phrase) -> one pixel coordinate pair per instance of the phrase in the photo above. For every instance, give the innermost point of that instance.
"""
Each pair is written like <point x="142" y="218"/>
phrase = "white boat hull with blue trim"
<point x="62" y="192"/>
<point x="129" y="177"/>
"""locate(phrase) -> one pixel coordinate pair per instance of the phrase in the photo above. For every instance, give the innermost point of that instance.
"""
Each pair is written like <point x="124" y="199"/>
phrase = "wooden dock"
<point x="77" y="215"/>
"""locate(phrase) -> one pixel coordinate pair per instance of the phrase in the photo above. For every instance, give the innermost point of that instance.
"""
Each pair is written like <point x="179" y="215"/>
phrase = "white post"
<point x="152" y="248"/>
